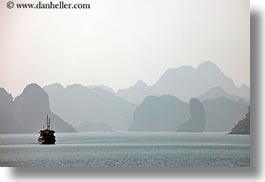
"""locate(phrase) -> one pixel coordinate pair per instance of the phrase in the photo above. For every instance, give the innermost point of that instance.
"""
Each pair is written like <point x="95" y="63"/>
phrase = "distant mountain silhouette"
<point x="164" y="113"/>
<point x="90" y="126"/>
<point x="223" y="113"/>
<point x="135" y="94"/>
<point x="216" y="92"/>
<point x="103" y="87"/>
<point x="76" y="104"/>
<point x="243" y="91"/>
<point x="196" y="122"/>
<point x="161" y="107"/>
<point x="186" y="82"/>
<point x="7" y="118"/>
<point x="168" y="113"/>
<point x="243" y="126"/>
<point x="29" y="112"/>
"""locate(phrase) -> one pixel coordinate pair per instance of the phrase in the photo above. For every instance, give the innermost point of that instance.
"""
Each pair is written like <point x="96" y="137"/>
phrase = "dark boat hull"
<point x="46" y="141"/>
<point x="46" y="137"/>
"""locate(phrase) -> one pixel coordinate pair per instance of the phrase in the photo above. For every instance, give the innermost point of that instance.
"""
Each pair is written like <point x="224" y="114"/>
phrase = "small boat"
<point x="47" y="135"/>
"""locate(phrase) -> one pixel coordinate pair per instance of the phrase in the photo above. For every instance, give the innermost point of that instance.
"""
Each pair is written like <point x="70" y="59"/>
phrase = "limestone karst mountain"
<point x="29" y="112"/>
<point x="196" y="123"/>
<point x="164" y="113"/>
<point x="186" y="82"/>
<point x="244" y="92"/>
<point x="135" y="94"/>
<point x="168" y="113"/>
<point x="243" y="126"/>
<point x="216" y="92"/>
<point x="223" y="113"/>
<point x="159" y="107"/>
<point x="103" y="87"/>
<point x="76" y="104"/>
<point x="7" y="118"/>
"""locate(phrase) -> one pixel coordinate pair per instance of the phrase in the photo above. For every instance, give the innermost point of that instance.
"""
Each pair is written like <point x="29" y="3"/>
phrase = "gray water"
<point x="127" y="149"/>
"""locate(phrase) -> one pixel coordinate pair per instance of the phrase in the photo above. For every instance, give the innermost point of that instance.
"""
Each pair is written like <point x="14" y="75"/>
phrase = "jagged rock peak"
<point x="75" y="86"/>
<point x="33" y="89"/>
<point x="140" y="83"/>
<point x="55" y="85"/>
<point x="208" y="64"/>
<point x="4" y="92"/>
<point x="32" y="86"/>
<point x="216" y="91"/>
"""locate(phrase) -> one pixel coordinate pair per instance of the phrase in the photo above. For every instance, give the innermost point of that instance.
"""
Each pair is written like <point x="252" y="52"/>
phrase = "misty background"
<point x="119" y="42"/>
<point x="126" y="66"/>
<point x="184" y="99"/>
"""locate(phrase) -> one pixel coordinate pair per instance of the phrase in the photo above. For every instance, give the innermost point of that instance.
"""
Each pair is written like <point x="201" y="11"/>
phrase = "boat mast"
<point x="49" y="123"/>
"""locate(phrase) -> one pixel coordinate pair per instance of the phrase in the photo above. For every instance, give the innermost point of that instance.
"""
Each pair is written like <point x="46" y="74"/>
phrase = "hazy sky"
<point x="118" y="42"/>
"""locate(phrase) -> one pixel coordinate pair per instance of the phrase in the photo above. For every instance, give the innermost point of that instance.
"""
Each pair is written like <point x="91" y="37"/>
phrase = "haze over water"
<point x="127" y="149"/>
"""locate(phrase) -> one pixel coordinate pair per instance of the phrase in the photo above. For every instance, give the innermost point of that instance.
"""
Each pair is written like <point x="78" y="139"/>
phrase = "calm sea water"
<point x="127" y="149"/>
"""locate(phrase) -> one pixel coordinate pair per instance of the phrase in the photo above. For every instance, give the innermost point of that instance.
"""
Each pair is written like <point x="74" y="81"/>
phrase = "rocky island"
<point x="243" y="126"/>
